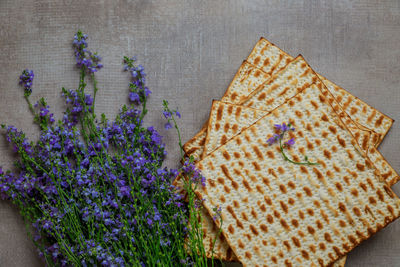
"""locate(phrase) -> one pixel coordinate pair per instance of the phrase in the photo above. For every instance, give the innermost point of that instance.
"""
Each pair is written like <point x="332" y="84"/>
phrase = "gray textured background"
<point x="191" y="50"/>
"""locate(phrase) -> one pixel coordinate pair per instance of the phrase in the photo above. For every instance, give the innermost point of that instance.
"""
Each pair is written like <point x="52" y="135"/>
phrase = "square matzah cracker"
<point x="267" y="59"/>
<point x="278" y="213"/>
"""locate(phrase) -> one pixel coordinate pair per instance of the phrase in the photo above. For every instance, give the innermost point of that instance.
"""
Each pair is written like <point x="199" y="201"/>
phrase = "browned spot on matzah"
<point x="235" y="128"/>
<point x="236" y="155"/>
<point x="221" y="180"/>
<point x="219" y="112"/>
<point x="324" y="134"/>
<point x="253" y="229"/>
<point x="296" y="242"/>
<point x="270" y="154"/>
<point x="226" y="127"/>
<point x="303" y="169"/>
<point x="301" y="215"/>
<point x="332" y="129"/>
<point x="238" y="141"/>
<point x="261" y="96"/>
<point x="253" y="213"/>
<point x="235" y="185"/>
<point x="328" y="237"/>
<point x="310" y="229"/>
<point x="327" y="154"/>
<point x="324" y="117"/>
<point x="342" y="223"/>
<point x="230" y="109"/>
<point x="274" y="259"/>
<point x="329" y="174"/>
<point x="380" y="195"/>
<point x="291" y="201"/>
<point x="259" y="189"/>
<point x="353" y="111"/>
<point x="258" y="153"/>
<point x="370" y="183"/>
<point x="284" y="224"/>
<point x="222" y="198"/>
<point x="240" y="244"/>
<point x="287" y="245"/>
<point x="226" y="155"/>
<point x="231" y="229"/>
<point x="236" y="204"/>
<point x="369" y="119"/>
<point x="226" y="189"/>
<point x="357" y="211"/>
<point x="217" y="125"/>
<point x="372" y="200"/>
<point x="379" y="121"/>
<point x="226" y="172"/>
<point x="263" y="208"/>
<point x="266" y="62"/>
<point x="277" y="214"/>
<point x="318" y="173"/>
<point x="244" y="216"/>
<point x="342" y="207"/>
<point x="339" y="187"/>
<point x="318" y="142"/>
<point x="230" y="210"/>
<point x="319" y="224"/>
<point x="295" y="223"/>
<point x="281" y="170"/>
<point x="247" y="185"/>
<point x="360" y="167"/>
<point x="284" y="206"/>
<point x="248" y="255"/>
<point x="389" y="191"/>
<point x="291" y="185"/>
<point x="211" y="183"/>
<point x="363" y="186"/>
<point x="270" y="219"/>
<point x="337" y="250"/>
<point x="310" y="212"/>
<point x="282" y="188"/>
<point x="323" y="214"/>
<point x="233" y="96"/>
<point x="288" y="263"/>
<point x="305" y="254"/>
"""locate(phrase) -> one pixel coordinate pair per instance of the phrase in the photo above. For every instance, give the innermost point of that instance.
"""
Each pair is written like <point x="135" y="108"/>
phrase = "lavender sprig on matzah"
<point x="279" y="137"/>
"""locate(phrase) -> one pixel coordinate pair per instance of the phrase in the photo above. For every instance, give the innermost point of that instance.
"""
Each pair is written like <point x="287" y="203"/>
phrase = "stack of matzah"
<point x="276" y="213"/>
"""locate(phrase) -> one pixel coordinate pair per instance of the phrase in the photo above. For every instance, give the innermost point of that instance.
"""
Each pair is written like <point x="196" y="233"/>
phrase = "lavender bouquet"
<point x="93" y="191"/>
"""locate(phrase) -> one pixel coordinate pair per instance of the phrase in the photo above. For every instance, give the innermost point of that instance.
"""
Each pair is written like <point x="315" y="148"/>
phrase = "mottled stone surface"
<point x="191" y="50"/>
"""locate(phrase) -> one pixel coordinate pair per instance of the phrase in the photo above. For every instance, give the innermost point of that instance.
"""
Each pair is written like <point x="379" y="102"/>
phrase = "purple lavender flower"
<point x="273" y="139"/>
<point x="290" y="142"/>
<point x="168" y="126"/>
<point x="26" y="80"/>
<point x="217" y="213"/>
<point x="167" y="114"/>
<point x="84" y="58"/>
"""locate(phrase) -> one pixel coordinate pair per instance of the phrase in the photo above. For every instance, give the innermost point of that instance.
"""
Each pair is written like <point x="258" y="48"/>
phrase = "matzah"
<point x="246" y="80"/>
<point x="358" y="110"/>
<point x="227" y="120"/>
<point x="276" y="213"/>
<point x="269" y="58"/>
<point x="269" y="96"/>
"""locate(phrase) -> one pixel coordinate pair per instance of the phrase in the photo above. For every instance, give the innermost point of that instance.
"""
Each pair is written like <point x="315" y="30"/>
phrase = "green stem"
<point x="294" y="162"/>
